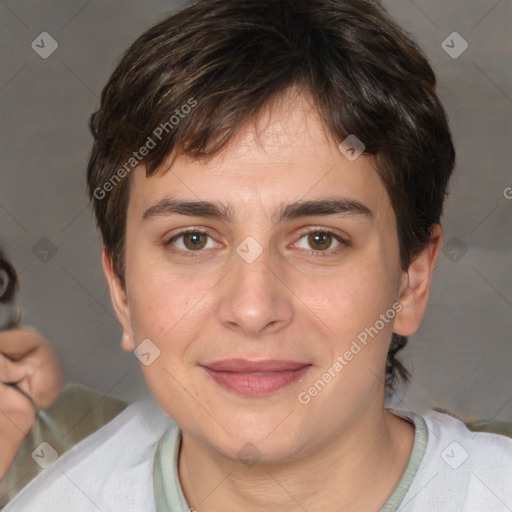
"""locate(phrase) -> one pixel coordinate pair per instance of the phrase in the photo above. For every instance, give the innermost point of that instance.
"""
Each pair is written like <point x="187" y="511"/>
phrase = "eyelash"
<point x="316" y="253"/>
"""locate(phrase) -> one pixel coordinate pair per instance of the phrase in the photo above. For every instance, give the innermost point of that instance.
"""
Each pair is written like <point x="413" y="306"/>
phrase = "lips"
<point x="245" y="366"/>
<point x="255" y="378"/>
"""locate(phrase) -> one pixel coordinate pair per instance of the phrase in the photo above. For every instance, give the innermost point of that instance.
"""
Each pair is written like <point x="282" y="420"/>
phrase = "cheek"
<point x="157" y="308"/>
<point x="347" y="306"/>
<point x="165" y="305"/>
<point x="352" y="294"/>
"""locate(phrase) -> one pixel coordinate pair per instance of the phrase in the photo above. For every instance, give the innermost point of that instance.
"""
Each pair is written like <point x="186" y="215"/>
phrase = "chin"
<point x="264" y="439"/>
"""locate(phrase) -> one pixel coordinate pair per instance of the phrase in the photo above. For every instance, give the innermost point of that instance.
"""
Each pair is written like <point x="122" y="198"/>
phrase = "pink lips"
<point x="255" y="377"/>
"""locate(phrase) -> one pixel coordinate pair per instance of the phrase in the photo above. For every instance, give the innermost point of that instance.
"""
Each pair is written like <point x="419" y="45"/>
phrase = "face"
<point x="253" y="298"/>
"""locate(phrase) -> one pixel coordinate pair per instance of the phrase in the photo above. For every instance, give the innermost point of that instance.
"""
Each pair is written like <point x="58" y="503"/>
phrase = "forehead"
<point x="283" y="155"/>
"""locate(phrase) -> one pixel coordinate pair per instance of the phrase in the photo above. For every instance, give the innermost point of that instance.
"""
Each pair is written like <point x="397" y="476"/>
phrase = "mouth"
<point x="255" y="378"/>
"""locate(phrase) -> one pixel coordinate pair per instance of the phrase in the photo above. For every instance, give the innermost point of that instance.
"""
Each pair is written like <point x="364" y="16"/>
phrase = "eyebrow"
<point x="295" y="210"/>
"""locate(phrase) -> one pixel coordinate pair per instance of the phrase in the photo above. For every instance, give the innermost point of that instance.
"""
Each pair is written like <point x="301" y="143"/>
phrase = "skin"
<point x="26" y="359"/>
<point x="341" y="451"/>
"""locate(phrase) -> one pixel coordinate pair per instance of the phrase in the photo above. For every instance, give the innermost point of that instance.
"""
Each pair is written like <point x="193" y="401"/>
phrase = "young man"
<point x="268" y="178"/>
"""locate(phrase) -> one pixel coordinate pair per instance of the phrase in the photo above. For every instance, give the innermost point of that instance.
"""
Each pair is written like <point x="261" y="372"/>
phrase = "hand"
<point x="16" y="419"/>
<point x="27" y="360"/>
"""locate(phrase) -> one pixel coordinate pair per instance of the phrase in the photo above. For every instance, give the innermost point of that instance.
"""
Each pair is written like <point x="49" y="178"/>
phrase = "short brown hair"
<point x="364" y="74"/>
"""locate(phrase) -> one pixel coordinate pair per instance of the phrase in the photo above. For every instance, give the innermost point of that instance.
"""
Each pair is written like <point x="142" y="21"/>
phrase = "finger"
<point x="17" y="343"/>
<point x="24" y="386"/>
<point x="10" y="371"/>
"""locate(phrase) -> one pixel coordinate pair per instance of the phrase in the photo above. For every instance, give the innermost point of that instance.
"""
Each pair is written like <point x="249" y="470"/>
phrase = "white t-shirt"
<point x="115" y="469"/>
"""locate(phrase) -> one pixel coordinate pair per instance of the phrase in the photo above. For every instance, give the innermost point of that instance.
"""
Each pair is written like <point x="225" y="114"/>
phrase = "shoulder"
<point x="111" y="469"/>
<point x="483" y="446"/>
<point x="461" y="469"/>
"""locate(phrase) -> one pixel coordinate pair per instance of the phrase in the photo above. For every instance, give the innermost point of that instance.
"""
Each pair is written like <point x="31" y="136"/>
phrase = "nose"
<point x="254" y="298"/>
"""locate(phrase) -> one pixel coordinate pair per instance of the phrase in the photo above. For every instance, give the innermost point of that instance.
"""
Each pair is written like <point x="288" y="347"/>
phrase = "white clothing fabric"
<point x="112" y="470"/>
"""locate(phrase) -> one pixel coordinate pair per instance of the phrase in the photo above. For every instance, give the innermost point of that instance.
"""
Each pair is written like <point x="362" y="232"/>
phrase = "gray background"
<point x="460" y="358"/>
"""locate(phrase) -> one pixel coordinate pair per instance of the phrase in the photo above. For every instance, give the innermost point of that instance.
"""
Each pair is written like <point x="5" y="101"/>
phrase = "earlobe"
<point x="415" y="287"/>
<point x="127" y="342"/>
<point x="119" y="301"/>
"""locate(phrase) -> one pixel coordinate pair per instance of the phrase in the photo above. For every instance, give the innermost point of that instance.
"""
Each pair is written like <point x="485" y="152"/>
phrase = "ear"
<point x="119" y="301"/>
<point x="415" y="287"/>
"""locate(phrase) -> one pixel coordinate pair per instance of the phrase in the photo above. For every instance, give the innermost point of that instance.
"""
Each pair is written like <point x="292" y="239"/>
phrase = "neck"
<point x="358" y="468"/>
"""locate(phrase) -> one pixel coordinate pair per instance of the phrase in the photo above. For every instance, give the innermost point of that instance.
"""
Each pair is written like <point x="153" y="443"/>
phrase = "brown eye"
<point x="320" y="241"/>
<point x="189" y="242"/>
<point x="194" y="240"/>
<point x="192" y="243"/>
